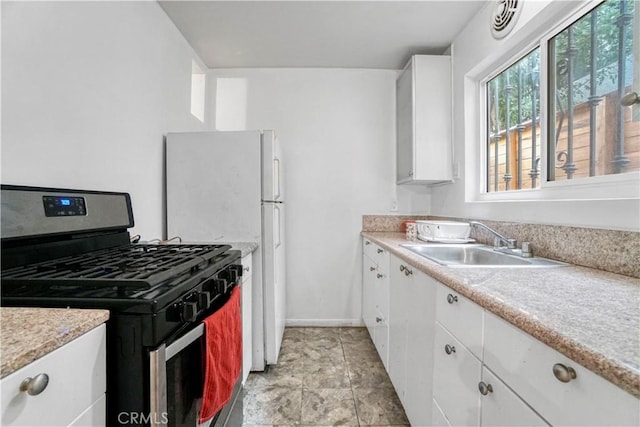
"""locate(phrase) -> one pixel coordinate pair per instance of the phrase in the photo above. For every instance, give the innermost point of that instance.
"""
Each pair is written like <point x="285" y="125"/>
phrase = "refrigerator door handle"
<point x="276" y="176"/>
<point x="277" y="223"/>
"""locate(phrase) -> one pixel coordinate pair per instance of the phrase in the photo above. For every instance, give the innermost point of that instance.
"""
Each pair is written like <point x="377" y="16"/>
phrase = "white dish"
<point x="444" y="229"/>
<point x="446" y="240"/>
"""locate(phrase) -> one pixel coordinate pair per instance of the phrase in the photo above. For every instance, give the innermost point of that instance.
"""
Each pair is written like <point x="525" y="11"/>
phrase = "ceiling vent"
<point x="504" y="17"/>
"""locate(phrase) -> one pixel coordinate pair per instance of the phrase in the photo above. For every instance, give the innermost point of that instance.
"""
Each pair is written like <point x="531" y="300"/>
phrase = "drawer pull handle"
<point x="35" y="385"/>
<point x="407" y="270"/>
<point x="452" y="298"/>
<point x="378" y="319"/>
<point x="380" y="251"/>
<point x="449" y="349"/>
<point x="485" y="388"/>
<point x="379" y="276"/>
<point x="564" y="373"/>
<point x="372" y="268"/>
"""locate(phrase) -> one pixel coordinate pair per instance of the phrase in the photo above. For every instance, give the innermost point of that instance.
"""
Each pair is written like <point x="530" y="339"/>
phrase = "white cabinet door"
<point x="94" y="416"/>
<point x="527" y="365"/>
<point x="247" y="344"/>
<point x="420" y="336"/>
<point x="456" y="374"/>
<point x="461" y="317"/>
<point x="381" y="339"/>
<point x="369" y="270"/>
<point x="375" y="296"/>
<point x="423" y="120"/>
<point x="399" y="297"/>
<point x="77" y="378"/>
<point x="502" y="407"/>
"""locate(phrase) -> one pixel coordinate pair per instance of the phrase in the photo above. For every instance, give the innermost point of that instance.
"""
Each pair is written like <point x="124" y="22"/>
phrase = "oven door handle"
<point x="178" y="345"/>
<point x="158" y="373"/>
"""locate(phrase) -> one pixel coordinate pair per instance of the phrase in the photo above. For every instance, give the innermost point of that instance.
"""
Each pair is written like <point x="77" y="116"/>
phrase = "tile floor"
<point x="324" y="377"/>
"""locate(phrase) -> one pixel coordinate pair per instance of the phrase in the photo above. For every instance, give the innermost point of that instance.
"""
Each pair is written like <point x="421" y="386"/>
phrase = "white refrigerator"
<point x="228" y="187"/>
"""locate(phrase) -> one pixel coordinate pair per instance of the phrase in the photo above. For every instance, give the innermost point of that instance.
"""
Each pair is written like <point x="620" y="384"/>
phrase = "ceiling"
<point x="337" y="34"/>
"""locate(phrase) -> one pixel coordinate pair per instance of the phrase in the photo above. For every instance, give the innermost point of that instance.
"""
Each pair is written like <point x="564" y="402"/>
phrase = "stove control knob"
<point x="218" y="286"/>
<point x="237" y="269"/>
<point x="204" y="300"/>
<point x="189" y="311"/>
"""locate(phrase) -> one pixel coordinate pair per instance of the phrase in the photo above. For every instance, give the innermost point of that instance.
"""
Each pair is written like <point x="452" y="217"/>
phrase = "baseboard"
<point x="324" y="323"/>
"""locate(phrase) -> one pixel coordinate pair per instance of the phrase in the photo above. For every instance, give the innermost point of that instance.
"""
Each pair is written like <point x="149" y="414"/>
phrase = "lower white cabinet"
<point x="247" y="332"/>
<point x="375" y="296"/>
<point x="399" y="297"/>
<point x="456" y="375"/>
<point x="74" y="394"/>
<point x="93" y="416"/>
<point x="502" y="407"/>
<point x="411" y="326"/>
<point x="420" y="337"/>
<point x="575" y="397"/>
<point x="453" y="363"/>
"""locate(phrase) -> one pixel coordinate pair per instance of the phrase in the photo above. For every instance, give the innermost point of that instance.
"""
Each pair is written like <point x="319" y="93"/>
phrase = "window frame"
<point x="604" y="187"/>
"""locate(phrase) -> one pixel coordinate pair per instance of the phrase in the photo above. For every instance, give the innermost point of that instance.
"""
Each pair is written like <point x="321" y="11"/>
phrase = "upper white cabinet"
<point x="423" y="120"/>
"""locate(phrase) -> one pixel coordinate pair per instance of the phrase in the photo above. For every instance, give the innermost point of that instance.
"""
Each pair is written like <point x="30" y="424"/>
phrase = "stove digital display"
<point x="64" y="206"/>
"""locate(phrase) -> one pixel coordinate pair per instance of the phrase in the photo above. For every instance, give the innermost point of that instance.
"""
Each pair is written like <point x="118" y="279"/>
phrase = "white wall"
<point x="337" y="131"/>
<point x="88" y="90"/>
<point x="475" y="51"/>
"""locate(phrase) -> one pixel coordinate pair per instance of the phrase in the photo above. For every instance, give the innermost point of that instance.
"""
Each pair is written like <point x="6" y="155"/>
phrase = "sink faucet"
<point x="510" y="244"/>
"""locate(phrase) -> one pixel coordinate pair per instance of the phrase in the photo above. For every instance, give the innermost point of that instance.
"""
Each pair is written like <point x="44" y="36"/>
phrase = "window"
<point x="513" y="140"/>
<point x="589" y="68"/>
<point x="198" y="80"/>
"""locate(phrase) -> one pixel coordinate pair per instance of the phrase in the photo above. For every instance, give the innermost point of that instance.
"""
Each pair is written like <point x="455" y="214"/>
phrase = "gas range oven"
<point x="71" y="248"/>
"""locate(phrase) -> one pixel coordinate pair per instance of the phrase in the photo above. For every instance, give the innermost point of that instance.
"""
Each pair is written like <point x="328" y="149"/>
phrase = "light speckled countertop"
<point x="27" y="334"/>
<point x="244" y="247"/>
<point x="590" y="316"/>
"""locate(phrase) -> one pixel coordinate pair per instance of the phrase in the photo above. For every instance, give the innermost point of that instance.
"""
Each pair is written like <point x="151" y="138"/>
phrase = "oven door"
<point x="175" y="380"/>
<point x="176" y="375"/>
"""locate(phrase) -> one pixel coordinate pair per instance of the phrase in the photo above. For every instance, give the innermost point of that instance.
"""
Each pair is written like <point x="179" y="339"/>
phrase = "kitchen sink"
<point x="476" y="255"/>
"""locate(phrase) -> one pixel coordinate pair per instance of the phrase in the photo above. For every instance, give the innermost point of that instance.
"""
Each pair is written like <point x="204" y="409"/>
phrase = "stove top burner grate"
<point x="138" y="266"/>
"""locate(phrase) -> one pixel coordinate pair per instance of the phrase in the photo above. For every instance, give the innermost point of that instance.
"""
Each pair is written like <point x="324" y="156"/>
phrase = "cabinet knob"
<point x="407" y="270"/>
<point x="380" y="251"/>
<point x="452" y="298"/>
<point x="366" y="242"/>
<point x="35" y="385"/>
<point x="449" y="349"/>
<point x="485" y="388"/>
<point x="379" y="276"/>
<point x="246" y="269"/>
<point x="564" y="373"/>
<point x="372" y="269"/>
<point x="378" y="319"/>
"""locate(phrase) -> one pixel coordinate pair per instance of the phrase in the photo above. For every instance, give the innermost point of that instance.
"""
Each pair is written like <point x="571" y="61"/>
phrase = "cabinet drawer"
<point x="94" y="416"/>
<point x="77" y="379"/>
<point x="378" y="255"/>
<point x="460" y="316"/>
<point x="438" y="419"/>
<point x="526" y="364"/>
<point x="456" y="374"/>
<point x="502" y="407"/>
<point x="381" y="339"/>
<point x="247" y="269"/>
